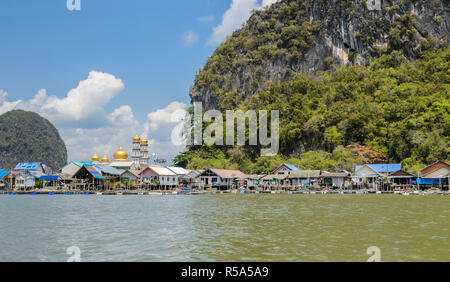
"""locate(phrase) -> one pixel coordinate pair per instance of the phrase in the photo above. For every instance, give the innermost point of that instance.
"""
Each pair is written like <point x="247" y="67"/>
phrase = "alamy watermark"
<point x="74" y="5"/>
<point x="75" y="254"/>
<point x="190" y="129"/>
<point x="375" y="254"/>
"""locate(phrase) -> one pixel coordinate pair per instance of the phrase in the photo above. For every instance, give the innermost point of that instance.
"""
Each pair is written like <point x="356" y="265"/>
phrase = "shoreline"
<point x="175" y="193"/>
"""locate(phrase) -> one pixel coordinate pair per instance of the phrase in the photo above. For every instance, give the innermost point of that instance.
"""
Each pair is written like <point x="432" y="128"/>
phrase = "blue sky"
<point x="136" y="60"/>
<point x="141" y="42"/>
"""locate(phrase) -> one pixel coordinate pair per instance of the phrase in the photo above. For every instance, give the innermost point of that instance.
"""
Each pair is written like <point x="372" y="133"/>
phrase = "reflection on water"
<point x="225" y="227"/>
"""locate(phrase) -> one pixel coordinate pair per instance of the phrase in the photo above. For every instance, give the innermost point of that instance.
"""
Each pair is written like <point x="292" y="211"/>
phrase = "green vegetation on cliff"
<point x="27" y="137"/>
<point x="372" y="88"/>
<point x="398" y="108"/>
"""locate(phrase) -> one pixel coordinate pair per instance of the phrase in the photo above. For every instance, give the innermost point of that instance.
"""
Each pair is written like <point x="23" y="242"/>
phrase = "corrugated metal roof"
<point x="334" y="174"/>
<point x="291" y="167"/>
<point x="94" y="171"/>
<point x="3" y="173"/>
<point x="121" y="164"/>
<point x="162" y="171"/>
<point x="27" y="166"/>
<point x="65" y="176"/>
<point x="178" y="170"/>
<point x="227" y="173"/>
<point x="305" y="174"/>
<point x="194" y="172"/>
<point x="271" y="177"/>
<point x="380" y="168"/>
<point x="48" y="177"/>
<point x="108" y="169"/>
<point x="133" y="172"/>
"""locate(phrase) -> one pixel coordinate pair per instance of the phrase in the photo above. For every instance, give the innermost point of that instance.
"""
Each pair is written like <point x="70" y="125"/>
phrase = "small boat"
<point x="119" y="194"/>
<point x="86" y="193"/>
<point x="379" y="192"/>
<point x="52" y="193"/>
<point x="406" y="194"/>
<point x="33" y="193"/>
<point x="12" y="193"/>
<point x="68" y="193"/>
<point x="257" y="192"/>
<point x="141" y="194"/>
<point x="99" y="193"/>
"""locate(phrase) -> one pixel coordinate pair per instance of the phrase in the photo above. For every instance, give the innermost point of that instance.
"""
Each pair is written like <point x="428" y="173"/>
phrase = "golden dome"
<point x="136" y="138"/>
<point x="105" y="159"/>
<point x="121" y="154"/>
<point x="95" y="158"/>
<point x="144" y="141"/>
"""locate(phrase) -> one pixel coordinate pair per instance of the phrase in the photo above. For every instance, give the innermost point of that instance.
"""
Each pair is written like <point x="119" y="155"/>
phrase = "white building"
<point x="159" y="176"/>
<point x="139" y="154"/>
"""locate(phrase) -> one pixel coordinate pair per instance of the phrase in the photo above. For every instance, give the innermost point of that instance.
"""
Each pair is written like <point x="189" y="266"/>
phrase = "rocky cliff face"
<point x="27" y="137"/>
<point x="304" y="37"/>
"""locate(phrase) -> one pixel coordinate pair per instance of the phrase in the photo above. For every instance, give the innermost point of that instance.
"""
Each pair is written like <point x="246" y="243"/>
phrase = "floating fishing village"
<point x="124" y="175"/>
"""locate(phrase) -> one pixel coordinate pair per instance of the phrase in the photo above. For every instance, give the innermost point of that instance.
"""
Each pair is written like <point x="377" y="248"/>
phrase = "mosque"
<point x="139" y="156"/>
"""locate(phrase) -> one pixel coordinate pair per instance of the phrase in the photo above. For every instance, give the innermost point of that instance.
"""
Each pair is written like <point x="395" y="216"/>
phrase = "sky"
<point x="112" y="69"/>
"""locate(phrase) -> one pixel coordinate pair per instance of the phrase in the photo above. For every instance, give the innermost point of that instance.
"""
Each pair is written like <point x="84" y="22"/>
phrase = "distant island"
<point x="26" y="136"/>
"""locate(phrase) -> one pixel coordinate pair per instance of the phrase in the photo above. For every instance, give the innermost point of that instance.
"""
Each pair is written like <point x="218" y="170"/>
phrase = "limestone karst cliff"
<point x="304" y="36"/>
<point x="28" y="137"/>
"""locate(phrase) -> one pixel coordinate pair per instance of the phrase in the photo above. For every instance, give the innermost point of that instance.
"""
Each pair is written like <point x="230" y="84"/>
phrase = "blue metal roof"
<point x="48" y="177"/>
<point x="428" y="181"/>
<point x="93" y="170"/>
<point x="27" y="166"/>
<point x="3" y="173"/>
<point x="382" y="168"/>
<point x="108" y="169"/>
<point x="291" y="167"/>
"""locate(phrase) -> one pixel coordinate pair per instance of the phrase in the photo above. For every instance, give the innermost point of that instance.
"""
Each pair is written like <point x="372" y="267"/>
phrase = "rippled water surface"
<point x="225" y="227"/>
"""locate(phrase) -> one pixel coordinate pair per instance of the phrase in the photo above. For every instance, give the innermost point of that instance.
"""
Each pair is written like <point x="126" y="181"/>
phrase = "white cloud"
<point x="158" y="120"/>
<point x="159" y="127"/>
<point x="6" y="106"/>
<point x="234" y="17"/>
<point x="190" y="38"/>
<point x="83" y="106"/>
<point x="85" y="102"/>
<point x="86" y="126"/>
<point x="123" y="116"/>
